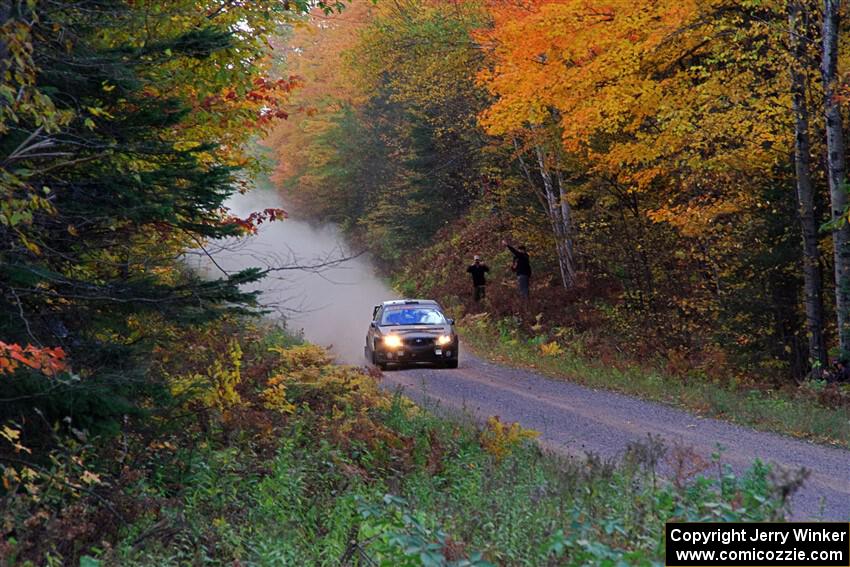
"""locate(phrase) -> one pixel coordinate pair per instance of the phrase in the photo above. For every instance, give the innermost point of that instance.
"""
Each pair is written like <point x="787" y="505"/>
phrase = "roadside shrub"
<point x="499" y="438"/>
<point x="214" y="386"/>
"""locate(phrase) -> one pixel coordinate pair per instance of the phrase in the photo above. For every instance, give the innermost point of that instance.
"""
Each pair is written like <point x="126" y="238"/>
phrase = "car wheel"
<point x="451" y="363"/>
<point x="376" y="362"/>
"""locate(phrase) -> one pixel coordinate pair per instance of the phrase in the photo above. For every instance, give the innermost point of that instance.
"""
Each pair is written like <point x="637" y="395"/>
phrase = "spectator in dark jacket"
<point x="521" y="266"/>
<point x="479" y="280"/>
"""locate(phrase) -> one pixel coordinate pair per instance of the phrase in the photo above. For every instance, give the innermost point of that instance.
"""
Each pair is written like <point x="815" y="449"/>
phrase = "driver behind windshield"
<point x="413" y="317"/>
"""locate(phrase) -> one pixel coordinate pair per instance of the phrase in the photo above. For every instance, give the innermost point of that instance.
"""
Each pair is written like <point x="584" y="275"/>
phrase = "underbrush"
<point x="272" y="455"/>
<point x="442" y="500"/>
<point x="814" y="410"/>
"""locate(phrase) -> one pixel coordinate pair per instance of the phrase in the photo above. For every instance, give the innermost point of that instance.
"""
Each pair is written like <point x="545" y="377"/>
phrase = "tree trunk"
<point x="567" y="222"/>
<point x="561" y="228"/>
<point x="836" y="173"/>
<point x="557" y="211"/>
<point x="812" y="284"/>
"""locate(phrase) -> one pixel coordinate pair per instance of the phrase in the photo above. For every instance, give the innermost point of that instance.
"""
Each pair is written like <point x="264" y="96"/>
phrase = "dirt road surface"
<point x="574" y="420"/>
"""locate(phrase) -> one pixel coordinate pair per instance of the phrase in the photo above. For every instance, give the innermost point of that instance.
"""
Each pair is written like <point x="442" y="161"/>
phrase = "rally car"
<point x="411" y="331"/>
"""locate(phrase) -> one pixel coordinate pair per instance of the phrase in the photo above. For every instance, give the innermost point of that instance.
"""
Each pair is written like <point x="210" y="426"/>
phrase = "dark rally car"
<point x="411" y="331"/>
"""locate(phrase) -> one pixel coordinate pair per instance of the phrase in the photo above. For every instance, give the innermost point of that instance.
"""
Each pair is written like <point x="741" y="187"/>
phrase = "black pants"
<point x="480" y="292"/>
<point x="522" y="282"/>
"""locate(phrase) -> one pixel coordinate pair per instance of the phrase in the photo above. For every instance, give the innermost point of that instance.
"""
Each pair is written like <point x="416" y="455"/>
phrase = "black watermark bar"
<point x="740" y="544"/>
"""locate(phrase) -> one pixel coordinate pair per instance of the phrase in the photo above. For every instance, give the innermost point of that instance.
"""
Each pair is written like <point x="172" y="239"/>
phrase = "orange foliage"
<point x="644" y="92"/>
<point x="314" y="53"/>
<point x="266" y="100"/>
<point x="251" y="223"/>
<point x="48" y="361"/>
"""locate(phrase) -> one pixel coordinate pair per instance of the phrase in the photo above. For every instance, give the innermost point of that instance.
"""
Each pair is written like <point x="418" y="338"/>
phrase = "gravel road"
<point x="574" y="419"/>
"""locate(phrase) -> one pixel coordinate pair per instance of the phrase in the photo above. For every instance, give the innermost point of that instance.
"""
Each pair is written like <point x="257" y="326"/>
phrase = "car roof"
<point x="406" y="302"/>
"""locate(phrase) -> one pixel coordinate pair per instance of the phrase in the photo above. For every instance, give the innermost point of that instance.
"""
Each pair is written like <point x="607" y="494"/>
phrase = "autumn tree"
<point x="122" y="133"/>
<point x="836" y="171"/>
<point x="671" y="147"/>
<point x="672" y="121"/>
<point x="392" y="150"/>
<point x="323" y="147"/>
<point x="799" y="40"/>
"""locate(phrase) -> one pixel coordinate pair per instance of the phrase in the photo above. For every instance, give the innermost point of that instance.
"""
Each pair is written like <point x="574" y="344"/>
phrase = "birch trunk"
<point x="812" y="283"/>
<point x="560" y="222"/>
<point x="836" y="173"/>
<point x="567" y="223"/>
<point x="557" y="211"/>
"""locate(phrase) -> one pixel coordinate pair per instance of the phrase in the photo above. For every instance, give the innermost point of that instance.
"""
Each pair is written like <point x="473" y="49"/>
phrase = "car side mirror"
<point x="374" y="324"/>
<point x="451" y="321"/>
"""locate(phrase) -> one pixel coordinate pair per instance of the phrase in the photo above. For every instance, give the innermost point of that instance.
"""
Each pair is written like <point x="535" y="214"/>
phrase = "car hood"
<point x="416" y="330"/>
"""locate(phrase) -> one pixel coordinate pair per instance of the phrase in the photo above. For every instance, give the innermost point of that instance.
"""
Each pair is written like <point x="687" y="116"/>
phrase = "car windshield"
<point x="413" y="316"/>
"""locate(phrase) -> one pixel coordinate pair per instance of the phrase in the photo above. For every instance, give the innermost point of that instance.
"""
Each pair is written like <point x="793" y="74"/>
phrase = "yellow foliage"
<point x="217" y="386"/>
<point x="500" y="438"/>
<point x="306" y="375"/>
<point x="551" y="349"/>
<point x="274" y="395"/>
<point x="302" y="356"/>
<point x="13" y="436"/>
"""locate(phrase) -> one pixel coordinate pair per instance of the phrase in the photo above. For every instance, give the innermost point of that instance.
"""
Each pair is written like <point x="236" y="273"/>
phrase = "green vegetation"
<point x="452" y="503"/>
<point x="122" y="133"/>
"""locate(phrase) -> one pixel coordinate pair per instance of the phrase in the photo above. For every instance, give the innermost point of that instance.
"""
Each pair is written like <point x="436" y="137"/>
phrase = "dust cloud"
<point x="332" y="306"/>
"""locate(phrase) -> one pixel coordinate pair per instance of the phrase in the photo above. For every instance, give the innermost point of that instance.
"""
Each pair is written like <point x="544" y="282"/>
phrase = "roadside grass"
<point x="773" y="410"/>
<point x="446" y="499"/>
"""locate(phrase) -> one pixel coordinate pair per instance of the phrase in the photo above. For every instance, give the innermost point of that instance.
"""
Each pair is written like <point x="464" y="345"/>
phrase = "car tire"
<point x="376" y="362"/>
<point x="451" y="363"/>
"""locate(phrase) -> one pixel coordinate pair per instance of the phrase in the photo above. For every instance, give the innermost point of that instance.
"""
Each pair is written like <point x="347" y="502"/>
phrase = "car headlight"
<point x="392" y="341"/>
<point x="443" y="340"/>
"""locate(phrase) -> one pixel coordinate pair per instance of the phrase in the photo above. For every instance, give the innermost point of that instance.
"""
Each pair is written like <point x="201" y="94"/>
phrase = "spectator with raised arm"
<point x="521" y="267"/>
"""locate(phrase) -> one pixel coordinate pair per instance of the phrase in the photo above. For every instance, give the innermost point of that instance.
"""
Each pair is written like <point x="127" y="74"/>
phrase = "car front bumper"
<point x="412" y="354"/>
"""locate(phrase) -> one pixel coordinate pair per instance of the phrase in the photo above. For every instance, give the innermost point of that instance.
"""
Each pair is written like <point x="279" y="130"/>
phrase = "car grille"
<point x="419" y="342"/>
